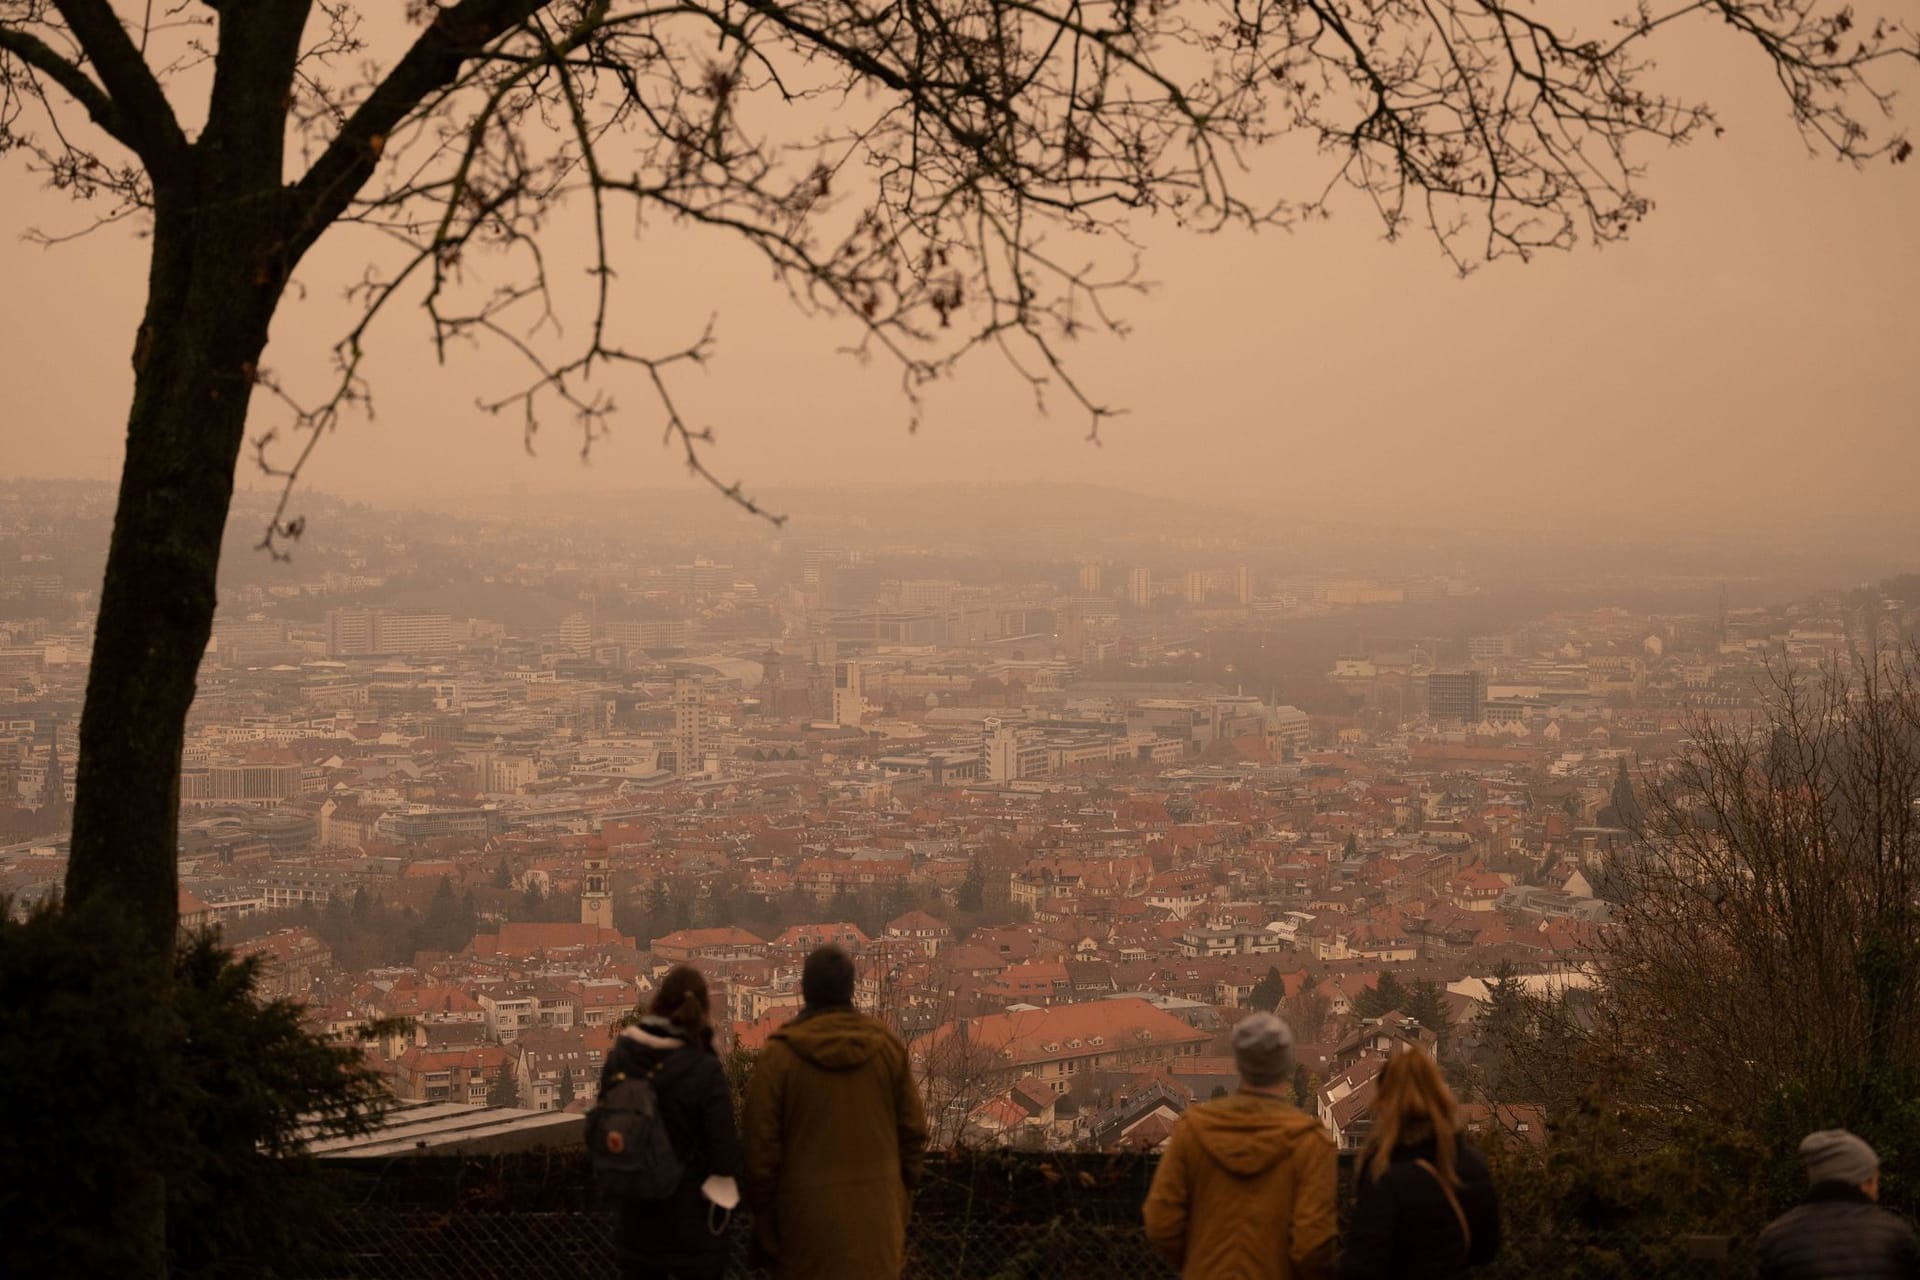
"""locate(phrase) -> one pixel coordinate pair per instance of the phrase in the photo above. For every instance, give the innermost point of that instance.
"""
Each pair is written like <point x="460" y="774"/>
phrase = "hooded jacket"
<point x="686" y="1229"/>
<point x="1245" y="1191"/>
<point x="1839" y="1233"/>
<point x="835" y="1143"/>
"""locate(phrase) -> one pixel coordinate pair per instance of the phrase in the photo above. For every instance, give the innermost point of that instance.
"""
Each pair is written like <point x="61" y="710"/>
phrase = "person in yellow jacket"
<point x="1245" y="1189"/>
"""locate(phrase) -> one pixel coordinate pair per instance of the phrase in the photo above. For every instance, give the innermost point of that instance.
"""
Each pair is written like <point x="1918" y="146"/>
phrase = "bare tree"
<point x="1766" y="967"/>
<point x="923" y="169"/>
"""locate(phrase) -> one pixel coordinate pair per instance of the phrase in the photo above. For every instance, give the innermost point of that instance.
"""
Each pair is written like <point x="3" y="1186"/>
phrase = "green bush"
<point x="116" y="1086"/>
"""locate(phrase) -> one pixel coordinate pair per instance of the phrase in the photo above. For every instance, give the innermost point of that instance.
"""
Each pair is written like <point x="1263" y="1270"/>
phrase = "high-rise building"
<point x="650" y="635"/>
<point x="704" y="575"/>
<point x="927" y="593"/>
<point x="1090" y="577"/>
<point x="411" y="633"/>
<point x="1489" y="648"/>
<point x="1457" y="696"/>
<point x="849" y="701"/>
<point x="349" y="632"/>
<point x="576" y="633"/>
<point x="1140" y="587"/>
<point x="1195" y="586"/>
<point x="1243" y="585"/>
<point x="816" y="564"/>
<point x="1012" y="753"/>
<point x="692" y="725"/>
<point x="596" y="894"/>
<point x="362" y="632"/>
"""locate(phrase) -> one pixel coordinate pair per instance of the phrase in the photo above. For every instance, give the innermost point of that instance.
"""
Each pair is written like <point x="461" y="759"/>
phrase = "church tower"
<point x="596" y="894"/>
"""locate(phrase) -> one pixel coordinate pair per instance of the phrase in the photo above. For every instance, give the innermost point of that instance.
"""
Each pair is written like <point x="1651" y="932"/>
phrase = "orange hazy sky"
<point x="1747" y="359"/>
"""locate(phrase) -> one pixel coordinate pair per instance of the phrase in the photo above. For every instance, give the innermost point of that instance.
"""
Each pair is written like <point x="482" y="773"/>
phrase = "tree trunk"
<point x="194" y="362"/>
<point x="216" y="276"/>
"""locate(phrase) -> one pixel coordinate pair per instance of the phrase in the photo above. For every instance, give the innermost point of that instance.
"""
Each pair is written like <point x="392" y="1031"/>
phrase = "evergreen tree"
<point x="565" y="1091"/>
<point x="502" y="875"/>
<point x="1427" y="1006"/>
<point x="334" y="925"/>
<point x="1383" y="998"/>
<point x="973" y="890"/>
<point x="1623" y="807"/>
<point x="1302" y="1086"/>
<point x="504" y="1091"/>
<point x="1268" y="992"/>
<point x="440" y="930"/>
<point x="1353" y="846"/>
<point x="1500" y="1029"/>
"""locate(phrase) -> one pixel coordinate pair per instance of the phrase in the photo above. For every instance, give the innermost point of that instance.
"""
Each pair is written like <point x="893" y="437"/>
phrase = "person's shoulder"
<point x="700" y="1061"/>
<point x="1894" y="1224"/>
<point x="625" y="1054"/>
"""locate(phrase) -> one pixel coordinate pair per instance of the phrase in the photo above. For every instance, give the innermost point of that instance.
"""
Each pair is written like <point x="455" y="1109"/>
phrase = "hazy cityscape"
<point x="959" y="640"/>
<point x="1076" y="775"/>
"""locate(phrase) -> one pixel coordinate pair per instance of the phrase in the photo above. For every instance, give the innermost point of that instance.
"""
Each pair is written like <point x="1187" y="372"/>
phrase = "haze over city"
<point x="959" y="640"/>
<point x="1744" y="362"/>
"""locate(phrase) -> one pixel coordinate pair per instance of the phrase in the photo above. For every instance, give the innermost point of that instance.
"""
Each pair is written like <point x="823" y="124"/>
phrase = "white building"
<point x="849" y="700"/>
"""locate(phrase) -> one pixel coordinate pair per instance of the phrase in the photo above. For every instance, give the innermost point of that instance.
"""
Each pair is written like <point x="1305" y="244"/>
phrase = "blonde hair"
<point x="1410" y="1101"/>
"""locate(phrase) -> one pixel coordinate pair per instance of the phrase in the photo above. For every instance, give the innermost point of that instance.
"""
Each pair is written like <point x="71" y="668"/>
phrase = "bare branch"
<point x="39" y="55"/>
<point x="140" y="103"/>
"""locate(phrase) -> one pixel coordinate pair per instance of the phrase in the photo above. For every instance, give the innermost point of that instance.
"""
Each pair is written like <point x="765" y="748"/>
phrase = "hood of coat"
<point x="1247" y="1134"/>
<point x="654" y="1033"/>
<point x="835" y="1040"/>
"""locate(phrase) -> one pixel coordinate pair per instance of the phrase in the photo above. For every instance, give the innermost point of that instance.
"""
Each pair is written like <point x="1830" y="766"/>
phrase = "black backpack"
<point x="627" y="1142"/>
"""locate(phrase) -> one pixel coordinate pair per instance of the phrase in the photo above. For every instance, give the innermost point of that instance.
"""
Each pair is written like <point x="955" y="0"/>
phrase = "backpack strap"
<point x="1453" y="1201"/>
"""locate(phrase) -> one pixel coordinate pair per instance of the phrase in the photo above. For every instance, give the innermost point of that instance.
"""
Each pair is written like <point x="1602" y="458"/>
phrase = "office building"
<point x="1457" y="696"/>
<point x="372" y="632"/>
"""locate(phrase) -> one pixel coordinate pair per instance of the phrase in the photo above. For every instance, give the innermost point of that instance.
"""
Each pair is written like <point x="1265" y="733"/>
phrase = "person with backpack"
<point x="1424" y="1205"/>
<point x="835" y="1137"/>
<point x="662" y="1138"/>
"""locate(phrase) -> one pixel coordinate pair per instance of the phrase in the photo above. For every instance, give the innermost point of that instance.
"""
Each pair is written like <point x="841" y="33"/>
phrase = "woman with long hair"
<point x="1424" y="1205"/>
<point x="682" y="1237"/>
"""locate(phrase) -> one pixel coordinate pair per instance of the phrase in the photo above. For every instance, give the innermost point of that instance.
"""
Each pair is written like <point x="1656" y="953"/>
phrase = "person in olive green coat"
<point x="835" y="1137"/>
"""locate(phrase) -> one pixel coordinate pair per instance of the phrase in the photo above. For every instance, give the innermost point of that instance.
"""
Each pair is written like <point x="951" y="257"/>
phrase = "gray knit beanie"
<point x="1834" y="1155"/>
<point x="1263" y="1049"/>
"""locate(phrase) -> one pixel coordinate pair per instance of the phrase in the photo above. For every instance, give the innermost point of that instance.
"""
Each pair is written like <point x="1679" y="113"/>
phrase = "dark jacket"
<point x="1838" y="1234"/>
<point x="1403" y="1228"/>
<point x="835" y="1143"/>
<point x="697" y="1108"/>
<point x="1245" y="1191"/>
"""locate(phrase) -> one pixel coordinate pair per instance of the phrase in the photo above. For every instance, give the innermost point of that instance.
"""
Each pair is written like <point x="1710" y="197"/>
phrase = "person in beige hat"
<point x="1839" y="1232"/>
<point x="1246" y="1185"/>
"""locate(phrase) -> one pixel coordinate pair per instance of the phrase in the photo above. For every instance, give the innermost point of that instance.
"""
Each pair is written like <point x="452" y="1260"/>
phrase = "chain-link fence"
<point x="1004" y="1218"/>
